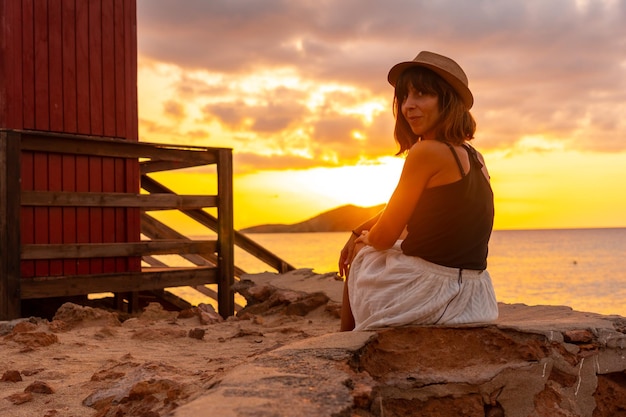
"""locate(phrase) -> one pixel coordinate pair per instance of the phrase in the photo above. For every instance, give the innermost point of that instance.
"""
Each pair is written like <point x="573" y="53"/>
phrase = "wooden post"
<point x="225" y="234"/>
<point x="10" y="304"/>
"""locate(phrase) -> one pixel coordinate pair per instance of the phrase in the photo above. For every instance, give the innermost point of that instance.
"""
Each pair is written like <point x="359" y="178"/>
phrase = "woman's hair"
<point x="455" y="124"/>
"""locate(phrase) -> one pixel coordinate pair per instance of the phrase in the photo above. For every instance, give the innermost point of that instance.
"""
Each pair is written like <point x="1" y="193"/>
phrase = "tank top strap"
<point x="456" y="158"/>
<point x="474" y="159"/>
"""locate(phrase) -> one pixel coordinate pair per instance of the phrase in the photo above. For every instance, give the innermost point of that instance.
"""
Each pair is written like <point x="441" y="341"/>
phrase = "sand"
<point x="149" y="365"/>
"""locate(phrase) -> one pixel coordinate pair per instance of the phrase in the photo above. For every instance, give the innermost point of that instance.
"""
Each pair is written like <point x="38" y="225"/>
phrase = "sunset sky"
<point x="298" y="89"/>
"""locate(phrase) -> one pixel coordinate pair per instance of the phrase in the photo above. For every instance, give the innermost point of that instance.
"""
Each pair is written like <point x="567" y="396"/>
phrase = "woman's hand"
<point x="349" y="251"/>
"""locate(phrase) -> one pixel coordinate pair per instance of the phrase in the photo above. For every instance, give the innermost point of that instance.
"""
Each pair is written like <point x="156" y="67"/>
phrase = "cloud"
<point x="280" y="77"/>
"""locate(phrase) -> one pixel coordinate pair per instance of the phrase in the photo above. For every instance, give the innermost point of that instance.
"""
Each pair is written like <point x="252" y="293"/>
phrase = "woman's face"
<point x="421" y="112"/>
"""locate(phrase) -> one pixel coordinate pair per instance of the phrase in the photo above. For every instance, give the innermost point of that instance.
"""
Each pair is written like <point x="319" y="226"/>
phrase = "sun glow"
<point x="557" y="189"/>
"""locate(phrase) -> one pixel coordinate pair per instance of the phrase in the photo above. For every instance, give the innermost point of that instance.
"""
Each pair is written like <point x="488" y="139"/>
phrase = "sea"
<point x="581" y="268"/>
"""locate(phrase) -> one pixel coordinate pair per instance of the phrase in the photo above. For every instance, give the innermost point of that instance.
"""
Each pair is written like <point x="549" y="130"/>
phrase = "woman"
<point x="423" y="259"/>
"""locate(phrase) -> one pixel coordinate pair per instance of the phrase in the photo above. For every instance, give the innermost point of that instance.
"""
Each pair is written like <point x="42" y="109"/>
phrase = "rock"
<point x="11" y="376"/>
<point x="142" y="392"/>
<point x="537" y="361"/>
<point x="39" y="387"/>
<point x="20" y="398"/>
<point x="155" y="311"/>
<point x="208" y="315"/>
<point x="294" y="293"/>
<point x="107" y="374"/>
<point x="33" y="340"/>
<point x="197" y="333"/>
<point x="578" y="336"/>
<point x="488" y="370"/>
<point x="73" y="316"/>
<point x="259" y="293"/>
<point x="24" y="327"/>
<point x="306" y="304"/>
<point x="285" y="297"/>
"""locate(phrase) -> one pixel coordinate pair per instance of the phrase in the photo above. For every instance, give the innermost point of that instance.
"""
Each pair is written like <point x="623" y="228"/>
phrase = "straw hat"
<point x="443" y="66"/>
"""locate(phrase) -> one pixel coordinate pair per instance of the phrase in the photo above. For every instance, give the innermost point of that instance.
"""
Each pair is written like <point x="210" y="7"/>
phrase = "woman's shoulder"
<point x="428" y="156"/>
<point x="430" y="148"/>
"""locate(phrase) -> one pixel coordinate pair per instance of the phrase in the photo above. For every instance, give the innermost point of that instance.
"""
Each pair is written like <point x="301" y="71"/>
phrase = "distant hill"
<point x="341" y="219"/>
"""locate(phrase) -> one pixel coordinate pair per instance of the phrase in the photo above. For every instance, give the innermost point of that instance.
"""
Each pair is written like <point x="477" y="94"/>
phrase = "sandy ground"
<point x="88" y="364"/>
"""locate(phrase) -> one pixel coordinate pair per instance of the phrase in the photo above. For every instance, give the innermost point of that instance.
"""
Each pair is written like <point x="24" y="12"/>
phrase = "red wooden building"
<point x="71" y="67"/>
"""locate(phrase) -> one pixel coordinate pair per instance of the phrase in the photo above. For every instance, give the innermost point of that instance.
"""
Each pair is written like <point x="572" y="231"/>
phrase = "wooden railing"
<point x="213" y="260"/>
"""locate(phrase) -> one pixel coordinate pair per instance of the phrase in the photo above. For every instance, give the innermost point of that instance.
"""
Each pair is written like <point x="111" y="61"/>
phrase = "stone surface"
<point x="539" y="361"/>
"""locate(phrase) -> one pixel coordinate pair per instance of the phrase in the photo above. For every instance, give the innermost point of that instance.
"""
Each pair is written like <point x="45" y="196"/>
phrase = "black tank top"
<point x="452" y="223"/>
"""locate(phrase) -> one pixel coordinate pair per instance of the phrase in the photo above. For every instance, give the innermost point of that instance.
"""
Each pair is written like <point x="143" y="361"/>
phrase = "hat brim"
<point x="458" y="86"/>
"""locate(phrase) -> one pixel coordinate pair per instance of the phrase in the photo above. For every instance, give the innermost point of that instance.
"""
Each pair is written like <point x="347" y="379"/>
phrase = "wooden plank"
<point x="108" y="213"/>
<point x="5" y="291"/>
<point x="82" y="213"/>
<point x="55" y="214"/>
<point x="120" y="68"/>
<point x="28" y="65"/>
<point x="70" y="111"/>
<point x="130" y="71"/>
<point x="6" y="51"/>
<point x="96" y="103"/>
<point x="95" y="212"/>
<point x="121" y="222"/>
<point x="76" y="145"/>
<point x="109" y="250"/>
<point x="42" y="86"/>
<point x="131" y="116"/>
<point x="133" y="225"/>
<point x="101" y="200"/>
<point x="27" y="218"/>
<point x="83" y="113"/>
<point x="55" y="65"/>
<point x="147" y="167"/>
<point x="9" y="226"/>
<point x="69" y="213"/>
<point x="152" y="279"/>
<point x="153" y="261"/>
<point x="41" y="219"/>
<point x="226" y="241"/>
<point x="12" y="80"/>
<point x="107" y="28"/>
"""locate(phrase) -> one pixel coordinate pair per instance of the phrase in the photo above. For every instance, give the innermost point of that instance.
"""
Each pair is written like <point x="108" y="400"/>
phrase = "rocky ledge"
<point x="539" y="361"/>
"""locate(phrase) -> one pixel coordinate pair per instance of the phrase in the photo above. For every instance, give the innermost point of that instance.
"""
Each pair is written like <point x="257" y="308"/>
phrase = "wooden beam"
<point x="9" y="226"/>
<point x="149" y="279"/>
<point x="107" y="250"/>
<point x="225" y="231"/>
<point x="111" y="147"/>
<point x="143" y="201"/>
<point x="147" y="167"/>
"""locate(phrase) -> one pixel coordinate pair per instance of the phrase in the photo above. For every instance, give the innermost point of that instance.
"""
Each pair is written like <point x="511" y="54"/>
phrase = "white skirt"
<point x="388" y="288"/>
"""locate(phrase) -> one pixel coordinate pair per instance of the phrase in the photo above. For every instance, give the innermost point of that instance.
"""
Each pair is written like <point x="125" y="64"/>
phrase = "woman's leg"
<point x="347" y="319"/>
